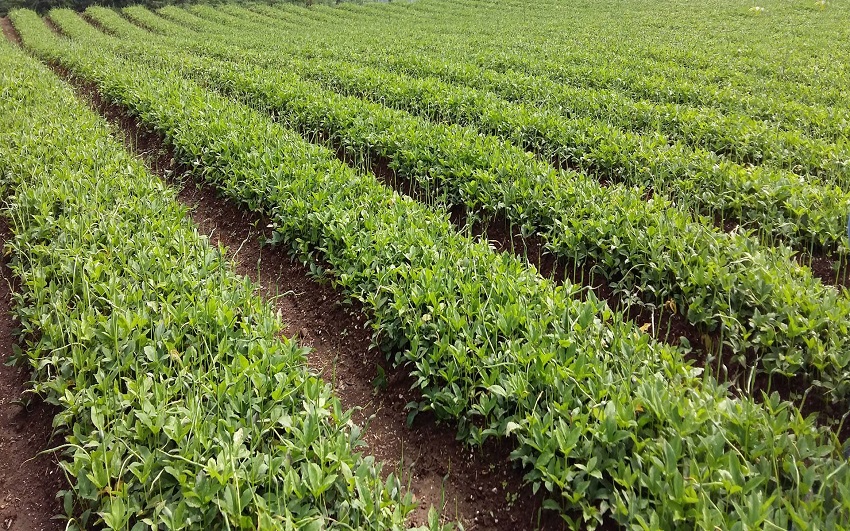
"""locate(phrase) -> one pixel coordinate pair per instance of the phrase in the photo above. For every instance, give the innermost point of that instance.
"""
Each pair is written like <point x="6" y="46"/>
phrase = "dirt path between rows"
<point x="9" y="30"/>
<point x="29" y="480"/>
<point x="438" y="470"/>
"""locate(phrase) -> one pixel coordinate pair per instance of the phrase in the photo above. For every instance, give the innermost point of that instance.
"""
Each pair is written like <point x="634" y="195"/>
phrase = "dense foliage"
<point x="696" y="171"/>
<point x="611" y="422"/>
<point x="725" y="282"/>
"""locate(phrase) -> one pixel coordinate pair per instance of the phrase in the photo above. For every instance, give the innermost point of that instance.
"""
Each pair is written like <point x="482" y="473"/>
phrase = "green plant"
<point x="649" y="251"/>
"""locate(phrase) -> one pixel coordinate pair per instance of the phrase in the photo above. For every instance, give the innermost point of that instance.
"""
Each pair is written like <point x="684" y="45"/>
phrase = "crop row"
<point x="777" y="204"/>
<point x="615" y="424"/>
<point x="454" y="16"/>
<point x="495" y="29"/>
<point x="582" y="64"/>
<point x="735" y="136"/>
<point x="666" y="49"/>
<point x="735" y="59"/>
<point x="718" y="82"/>
<point x="180" y="405"/>
<point x="649" y="249"/>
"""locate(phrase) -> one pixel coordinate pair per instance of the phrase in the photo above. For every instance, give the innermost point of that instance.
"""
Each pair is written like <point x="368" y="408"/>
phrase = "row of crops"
<point x="184" y="409"/>
<point x="778" y="204"/>
<point x="710" y="69"/>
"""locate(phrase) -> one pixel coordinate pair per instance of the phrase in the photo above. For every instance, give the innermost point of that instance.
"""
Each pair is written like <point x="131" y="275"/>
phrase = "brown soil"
<point x="478" y="487"/>
<point x="29" y="479"/>
<point x="9" y="30"/>
<point x="52" y="25"/>
<point x="824" y="268"/>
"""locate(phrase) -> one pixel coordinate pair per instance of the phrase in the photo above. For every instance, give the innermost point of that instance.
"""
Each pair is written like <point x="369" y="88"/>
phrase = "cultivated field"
<point x="557" y="264"/>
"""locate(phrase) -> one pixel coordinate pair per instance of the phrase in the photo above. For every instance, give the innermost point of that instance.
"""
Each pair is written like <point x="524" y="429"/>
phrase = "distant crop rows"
<point x="776" y="203"/>
<point x="532" y="42"/>
<point x="531" y="77"/>
<point x="612" y="423"/>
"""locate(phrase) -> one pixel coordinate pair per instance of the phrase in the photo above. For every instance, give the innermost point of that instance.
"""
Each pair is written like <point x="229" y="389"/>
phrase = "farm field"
<point x="437" y="264"/>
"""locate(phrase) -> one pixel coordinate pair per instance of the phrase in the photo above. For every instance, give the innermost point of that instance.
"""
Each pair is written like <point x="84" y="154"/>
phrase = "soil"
<point x="478" y="487"/>
<point x="9" y="30"/>
<point x="824" y="268"/>
<point x="30" y="475"/>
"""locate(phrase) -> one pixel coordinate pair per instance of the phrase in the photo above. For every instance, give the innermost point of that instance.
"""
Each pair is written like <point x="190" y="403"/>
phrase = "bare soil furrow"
<point x="30" y="476"/>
